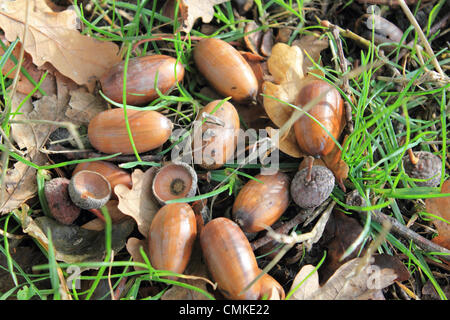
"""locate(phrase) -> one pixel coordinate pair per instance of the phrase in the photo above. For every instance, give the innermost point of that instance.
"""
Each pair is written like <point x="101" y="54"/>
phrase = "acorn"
<point x="230" y="259"/>
<point x="141" y="76"/>
<point x="423" y="165"/>
<point x="110" y="171"/>
<point x="225" y="69"/>
<point x="89" y="190"/>
<point x="215" y="143"/>
<point x="313" y="192"/>
<point x="261" y="203"/>
<point x="312" y="139"/>
<point x="174" y="180"/>
<point x="271" y="289"/>
<point x="108" y="133"/>
<point x="171" y="237"/>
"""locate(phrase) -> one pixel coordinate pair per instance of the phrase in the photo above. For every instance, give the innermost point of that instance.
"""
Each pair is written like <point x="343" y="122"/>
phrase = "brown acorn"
<point x="271" y="289"/>
<point x="108" y="133"/>
<point x="311" y="138"/>
<point x="225" y="69"/>
<point x="174" y="180"/>
<point x="141" y="76"/>
<point x="313" y="192"/>
<point x="230" y="259"/>
<point x="260" y="204"/>
<point x="215" y="143"/>
<point x="171" y="237"/>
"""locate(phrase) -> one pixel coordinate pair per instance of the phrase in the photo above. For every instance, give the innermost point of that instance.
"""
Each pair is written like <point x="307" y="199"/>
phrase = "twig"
<point x="408" y="234"/>
<point x="422" y="37"/>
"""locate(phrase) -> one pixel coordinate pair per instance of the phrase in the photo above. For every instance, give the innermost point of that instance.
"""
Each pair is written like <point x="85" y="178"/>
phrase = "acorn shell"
<point x="171" y="237"/>
<point x="59" y="203"/>
<point x="428" y="167"/>
<point x="230" y="259"/>
<point x="225" y="69"/>
<point x="110" y="171"/>
<point x="260" y="204"/>
<point x="216" y="143"/>
<point x="141" y="76"/>
<point x="174" y="180"/>
<point x="108" y="133"/>
<point x="89" y="190"/>
<point x="311" y="138"/>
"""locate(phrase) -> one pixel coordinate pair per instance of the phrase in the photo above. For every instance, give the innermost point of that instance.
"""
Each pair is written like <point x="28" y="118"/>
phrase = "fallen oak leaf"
<point x="440" y="208"/>
<point x="51" y="37"/>
<point x="191" y="10"/>
<point x="139" y="202"/>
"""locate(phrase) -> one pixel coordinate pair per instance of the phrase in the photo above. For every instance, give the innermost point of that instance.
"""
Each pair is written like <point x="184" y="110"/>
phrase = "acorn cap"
<point x="310" y="194"/>
<point x="428" y="167"/>
<point x="89" y="190"/>
<point x="175" y="180"/>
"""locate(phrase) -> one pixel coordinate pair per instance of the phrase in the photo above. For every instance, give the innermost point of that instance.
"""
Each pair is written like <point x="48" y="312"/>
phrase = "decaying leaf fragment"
<point x="52" y="37"/>
<point x="440" y="208"/>
<point x="345" y="283"/>
<point x="138" y="202"/>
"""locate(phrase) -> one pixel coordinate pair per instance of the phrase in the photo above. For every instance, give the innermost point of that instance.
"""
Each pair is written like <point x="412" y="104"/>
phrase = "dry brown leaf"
<point x="287" y="145"/>
<point x="83" y="106"/>
<point x="345" y="284"/>
<point x="133" y="247"/>
<point x="441" y="208"/>
<point x="191" y="10"/>
<point x="138" y="202"/>
<point x="312" y="46"/>
<point x="53" y="38"/>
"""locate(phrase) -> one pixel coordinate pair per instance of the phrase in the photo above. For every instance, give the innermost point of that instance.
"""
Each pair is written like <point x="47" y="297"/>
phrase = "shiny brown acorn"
<point x="312" y="139"/>
<point x="171" y="237"/>
<point x="110" y="171"/>
<point x="216" y="140"/>
<point x="141" y="76"/>
<point x="175" y="180"/>
<point x="225" y="69"/>
<point x="261" y="203"/>
<point x="230" y="259"/>
<point x="271" y="289"/>
<point x="108" y="133"/>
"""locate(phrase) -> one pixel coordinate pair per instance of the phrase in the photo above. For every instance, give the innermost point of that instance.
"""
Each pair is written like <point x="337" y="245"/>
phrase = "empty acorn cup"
<point x="174" y="180"/>
<point x="89" y="190"/>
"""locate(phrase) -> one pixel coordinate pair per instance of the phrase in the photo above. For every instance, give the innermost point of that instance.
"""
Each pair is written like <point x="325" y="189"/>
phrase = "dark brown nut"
<point x="60" y="205"/>
<point x="141" y="76"/>
<point x="174" y="181"/>
<point x="230" y="259"/>
<point x="271" y="289"/>
<point x="225" y="69"/>
<point x="312" y="139"/>
<point x="89" y="190"/>
<point x="429" y="167"/>
<point x="108" y="133"/>
<point x="218" y="134"/>
<point x="171" y="237"/>
<point x="260" y="204"/>
<point x="310" y="194"/>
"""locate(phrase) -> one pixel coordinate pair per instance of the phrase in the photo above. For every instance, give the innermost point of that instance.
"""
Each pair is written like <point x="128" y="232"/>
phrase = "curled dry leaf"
<point x="311" y="45"/>
<point x="345" y="284"/>
<point x="191" y="10"/>
<point x="139" y="202"/>
<point x="83" y="106"/>
<point x="52" y="37"/>
<point x="440" y="208"/>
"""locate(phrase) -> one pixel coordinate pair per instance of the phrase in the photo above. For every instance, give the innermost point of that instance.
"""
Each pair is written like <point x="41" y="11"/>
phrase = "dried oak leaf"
<point x="52" y="37"/>
<point x="345" y="283"/>
<point x="83" y="106"/>
<point x="312" y="45"/>
<point x="139" y="202"/>
<point x="191" y="10"/>
<point x="440" y="208"/>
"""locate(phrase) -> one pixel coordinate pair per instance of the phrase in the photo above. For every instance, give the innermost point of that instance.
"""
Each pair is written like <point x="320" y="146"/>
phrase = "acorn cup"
<point x="89" y="190"/>
<point x="175" y="180"/>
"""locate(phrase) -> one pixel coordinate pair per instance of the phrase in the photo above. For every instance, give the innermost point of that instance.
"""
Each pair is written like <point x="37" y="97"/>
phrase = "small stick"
<point x="414" y="160"/>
